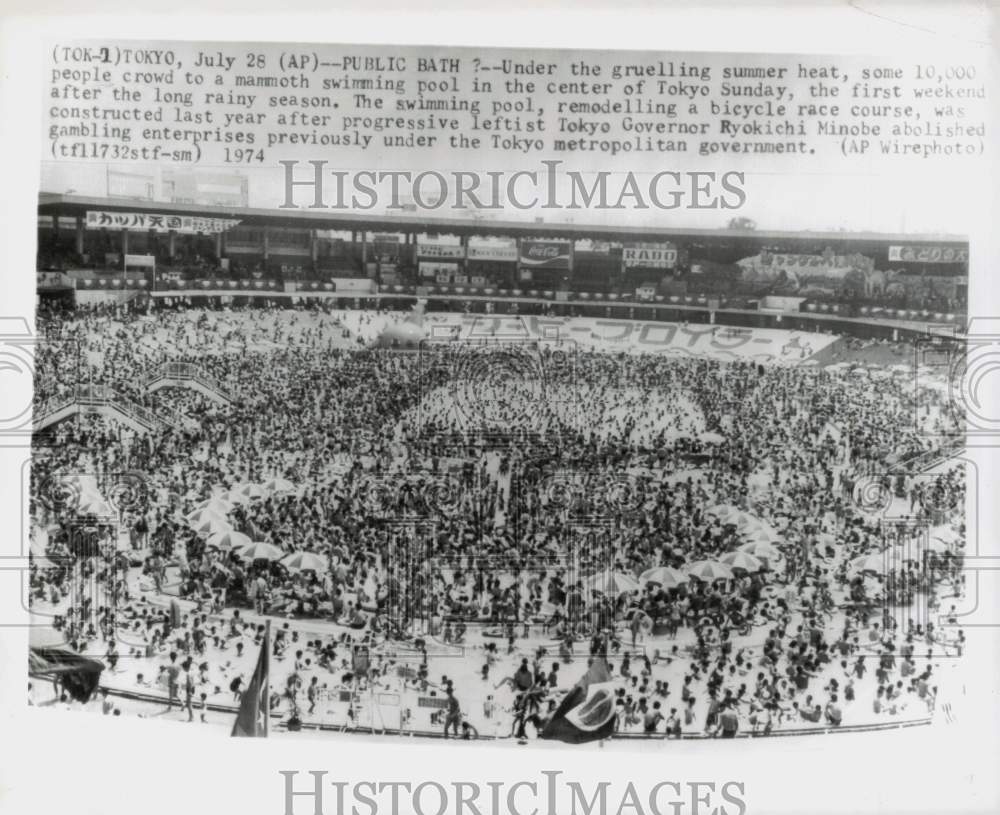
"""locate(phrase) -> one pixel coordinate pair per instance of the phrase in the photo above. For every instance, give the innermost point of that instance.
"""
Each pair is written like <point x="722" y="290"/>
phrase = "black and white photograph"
<point x="558" y="401"/>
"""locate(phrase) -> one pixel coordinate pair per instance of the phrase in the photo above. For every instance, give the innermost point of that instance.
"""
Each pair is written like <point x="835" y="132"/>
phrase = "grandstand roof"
<point x="304" y="218"/>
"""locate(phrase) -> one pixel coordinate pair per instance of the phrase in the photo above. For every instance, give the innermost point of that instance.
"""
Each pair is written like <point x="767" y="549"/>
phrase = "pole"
<point x="267" y="679"/>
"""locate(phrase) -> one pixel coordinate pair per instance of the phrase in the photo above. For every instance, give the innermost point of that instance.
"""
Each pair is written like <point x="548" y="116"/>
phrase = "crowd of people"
<point x="696" y="523"/>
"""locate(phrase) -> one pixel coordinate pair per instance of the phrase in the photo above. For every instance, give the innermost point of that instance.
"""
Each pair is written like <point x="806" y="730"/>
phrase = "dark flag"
<point x="587" y="713"/>
<point x="255" y="706"/>
<point x="175" y="613"/>
<point x="361" y="661"/>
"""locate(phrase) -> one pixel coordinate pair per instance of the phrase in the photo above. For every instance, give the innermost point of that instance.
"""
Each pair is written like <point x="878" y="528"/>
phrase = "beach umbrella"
<point x="94" y="505"/>
<point x="37" y="545"/>
<point x="869" y="563"/>
<point x="664" y="576"/>
<point x="727" y="513"/>
<point x="709" y="570"/>
<point x="43" y="562"/>
<point x="306" y="562"/>
<point x="200" y="515"/>
<point x="761" y="549"/>
<point x="229" y="539"/>
<point x="503" y="579"/>
<point x="83" y="485"/>
<point x="88" y="489"/>
<point x="278" y="485"/>
<point x="826" y="539"/>
<point x="741" y="560"/>
<point x="761" y="532"/>
<point x="747" y="523"/>
<point x="939" y="544"/>
<point x="245" y="493"/>
<point x="723" y="510"/>
<point x="260" y="550"/>
<point x="80" y="479"/>
<point x="211" y="526"/>
<point x="218" y="504"/>
<point x="611" y="583"/>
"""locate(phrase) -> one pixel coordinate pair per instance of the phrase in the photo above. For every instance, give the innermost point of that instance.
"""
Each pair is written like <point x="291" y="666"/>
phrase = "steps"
<point x="104" y="401"/>
<point x="186" y="375"/>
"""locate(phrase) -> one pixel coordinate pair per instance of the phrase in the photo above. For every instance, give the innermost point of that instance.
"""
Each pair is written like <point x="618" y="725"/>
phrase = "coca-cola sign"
<point x="545" y="254"/>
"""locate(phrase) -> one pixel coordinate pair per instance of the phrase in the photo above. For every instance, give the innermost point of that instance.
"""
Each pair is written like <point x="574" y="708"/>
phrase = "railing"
<point x="103" y="396"/>
<point x="812" y="311"/>
<point x="926" y="459"/>
<point x="89" y="395"/>
<point x="215" y="284"/>
<point x="186" y="372"/>
<point x="49" y="407"/>
<point x="209" y="381"/>
<point x="145" y="416"/>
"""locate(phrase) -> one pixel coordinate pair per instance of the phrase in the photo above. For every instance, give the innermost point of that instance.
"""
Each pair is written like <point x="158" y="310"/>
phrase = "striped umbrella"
<point x="205" y="514"/>
<point x="762" y="535"/>
<point x="709" y="570"/>
<point x="217" y="504"/>
<point x="82" y="480"/>
<point x="278" y="485"/>
<point x="611" y="583"/>
<point x="229" y="540"/>
<point x="94" y="505"/>
<point x="664" y="576"/>
<point x="245" y="493"/>
<point x="751" y="525"/>
<point x="761" y="549"/>
<point x="727" y="513"/>
<point x="741" y="560"/>
<point x="875" y="562"/>
<point x="939" y="544"/>
<point x="211" y="525"/>
<point x="260" y="550"/>
<point x="306" y="562"/>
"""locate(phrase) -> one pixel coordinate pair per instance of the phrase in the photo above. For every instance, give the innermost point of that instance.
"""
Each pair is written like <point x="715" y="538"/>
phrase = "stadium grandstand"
<point x="870" y="285"/>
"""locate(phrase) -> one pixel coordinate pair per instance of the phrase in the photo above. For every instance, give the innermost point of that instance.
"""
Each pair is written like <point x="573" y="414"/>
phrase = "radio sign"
<point x="649" y="256"/>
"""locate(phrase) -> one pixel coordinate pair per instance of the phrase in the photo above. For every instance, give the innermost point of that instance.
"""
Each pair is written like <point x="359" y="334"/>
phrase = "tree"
<point x="746" y="224"/>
